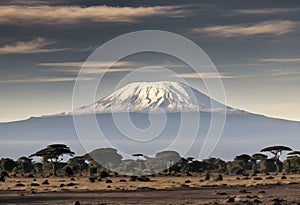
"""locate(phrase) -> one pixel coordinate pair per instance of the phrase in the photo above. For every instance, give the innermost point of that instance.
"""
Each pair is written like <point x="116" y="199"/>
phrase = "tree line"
<point x="107" y="161"/>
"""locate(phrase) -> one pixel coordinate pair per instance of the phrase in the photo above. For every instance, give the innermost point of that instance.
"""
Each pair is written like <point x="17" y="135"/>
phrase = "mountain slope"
<point x="246" y="133"/>
<point x="243" y="133"/>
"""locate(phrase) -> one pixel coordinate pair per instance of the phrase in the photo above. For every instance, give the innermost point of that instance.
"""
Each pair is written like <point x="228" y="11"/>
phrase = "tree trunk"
<point x="278" y="165"/>
<point x="54" y="168"/>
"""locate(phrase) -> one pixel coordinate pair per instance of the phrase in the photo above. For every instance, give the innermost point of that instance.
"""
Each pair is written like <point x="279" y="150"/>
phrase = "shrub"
<point x="292" y="165"/>
<point x="8" y="164"/>
<point x="104" y="174"/>
<point x="69" y="172"/>
<point x="92" y="170"/>
<point x="4" y="174"/>
<point x="92" y="179"/>
<point x="268" y="165"/>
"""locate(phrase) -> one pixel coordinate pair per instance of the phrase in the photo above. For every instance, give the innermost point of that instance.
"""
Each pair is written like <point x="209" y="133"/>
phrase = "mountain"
<point x="154" y="97"/>
<point x="243" y="132"/>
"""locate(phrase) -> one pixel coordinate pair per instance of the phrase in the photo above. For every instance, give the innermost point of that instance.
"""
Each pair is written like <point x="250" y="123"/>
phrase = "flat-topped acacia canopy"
<point x="276" y="148"/>
<point x="137" y="155"/>
<point x="294" y="153"/>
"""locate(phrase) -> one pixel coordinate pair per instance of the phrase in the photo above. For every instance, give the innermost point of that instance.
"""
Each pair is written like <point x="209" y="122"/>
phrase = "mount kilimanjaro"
<point x="243" y="132"/>
<point x="156" y="97"/>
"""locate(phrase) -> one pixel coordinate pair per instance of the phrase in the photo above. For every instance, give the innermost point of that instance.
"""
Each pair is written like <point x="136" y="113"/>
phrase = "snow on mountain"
<point x="154" y="96"/>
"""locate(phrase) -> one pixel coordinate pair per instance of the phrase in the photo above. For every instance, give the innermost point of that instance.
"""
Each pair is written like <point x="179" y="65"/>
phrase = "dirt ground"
<point x="261" y="189"/>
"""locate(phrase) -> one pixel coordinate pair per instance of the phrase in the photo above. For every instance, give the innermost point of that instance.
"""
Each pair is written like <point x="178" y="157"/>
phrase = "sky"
<point x="255" y="46"/>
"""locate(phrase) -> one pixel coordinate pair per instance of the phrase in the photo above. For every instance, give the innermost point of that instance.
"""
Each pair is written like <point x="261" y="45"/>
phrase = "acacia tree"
<point x="53" y="154"/>
<point x="276" y="151"/>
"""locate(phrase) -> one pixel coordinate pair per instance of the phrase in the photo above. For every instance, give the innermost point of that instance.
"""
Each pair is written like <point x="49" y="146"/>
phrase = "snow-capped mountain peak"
<point x="153" y="96"/>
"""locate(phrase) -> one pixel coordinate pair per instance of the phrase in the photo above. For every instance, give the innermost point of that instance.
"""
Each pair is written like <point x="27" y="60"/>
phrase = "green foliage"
<point x="163" y="161"/>
<point x="78" y="164"/>
<point x="244" y="162"/>
<point x="93" y="170"/>
<point x="292" y="165"/>
<point x="8" y="164"/>
<point x="129" y="166"/>
<point x="181" y="166"/>
<point x="68" y="171"/>
<point x="235" y="167"/>
<point x="268" y="165"/>
<point x="25" y="165"/>
<point x="4" y="174"/>
<point x="105" y="157"/>
<point x="168" y="156"/>
<point x="196" y="166"/>
<point x="38" y="167"/>
<point x="103" y="174"/>
<point x="47" y="167"/>
<point x="215" y="164"/>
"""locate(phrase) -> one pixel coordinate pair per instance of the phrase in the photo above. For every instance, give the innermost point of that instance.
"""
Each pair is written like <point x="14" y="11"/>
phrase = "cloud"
<point x="238" y="65"/>
<point x="37" y="45"/>
<point x="42" y="80"/>
<point x="285" y="74"/>
<point x="91" y="67"/>
<point x="281" y="60"/>
<point x="265" y="11"/>
<point x="276" y="28"/>
<point x="23" y="2"/>
<point x="211" y="75"/>
<point x="54" y="15"/>
<point x="87" y="64"/>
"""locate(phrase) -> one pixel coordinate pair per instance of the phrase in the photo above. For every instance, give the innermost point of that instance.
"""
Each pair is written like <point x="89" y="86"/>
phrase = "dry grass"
<point x="163" y="182"/>
<point x="160" y="190"/>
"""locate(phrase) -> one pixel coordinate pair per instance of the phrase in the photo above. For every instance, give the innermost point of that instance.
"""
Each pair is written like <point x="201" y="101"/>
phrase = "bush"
<point x="38" y="167"/>
<point x="8" y="164"/>
<point x="93" y="170"/>
<point x="92" y="179"/>
<point x="47" y="168"/>
<point x="103" y="174"/>
<point x="292" y="165"/>
<point x="237" y="170"/>
<point x="25" y="165"/>
<point x="235" y="167"/>
<point x="4" y="174"/>
<point x="30" y="176"/>
<point x="78" y="164"/>
<point x="69" y="172"/>
<point x="268" y="165"/>
<point x="215" y="164"/>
